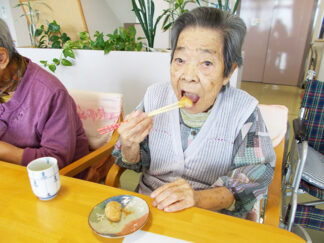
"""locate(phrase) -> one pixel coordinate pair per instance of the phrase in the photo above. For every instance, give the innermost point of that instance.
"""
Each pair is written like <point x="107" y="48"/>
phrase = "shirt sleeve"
<point x="253" y="165"/>
<point x="57" y="131"/>
<point x="145" y="158"/>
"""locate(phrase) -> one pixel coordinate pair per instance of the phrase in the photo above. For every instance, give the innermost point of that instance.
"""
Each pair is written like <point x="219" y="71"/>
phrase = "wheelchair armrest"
<point x="299" y="130"/>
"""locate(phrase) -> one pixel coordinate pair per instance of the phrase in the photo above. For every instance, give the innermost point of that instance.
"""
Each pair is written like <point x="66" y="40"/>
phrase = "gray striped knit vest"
<point x="209" y="155"/>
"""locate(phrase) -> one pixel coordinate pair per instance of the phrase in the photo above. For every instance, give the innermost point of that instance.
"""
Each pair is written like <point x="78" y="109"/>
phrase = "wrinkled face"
<point x="197" y="68"/>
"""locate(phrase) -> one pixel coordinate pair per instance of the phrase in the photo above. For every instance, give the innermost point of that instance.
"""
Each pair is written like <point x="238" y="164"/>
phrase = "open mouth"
<point x="193" y="97"/>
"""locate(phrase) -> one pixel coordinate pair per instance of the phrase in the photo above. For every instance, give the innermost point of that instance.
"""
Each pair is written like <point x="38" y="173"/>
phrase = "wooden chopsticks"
<point x="183" y="102"/>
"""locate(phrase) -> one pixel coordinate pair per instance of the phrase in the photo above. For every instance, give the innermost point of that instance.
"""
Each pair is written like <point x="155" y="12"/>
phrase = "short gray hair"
<point x="232" y="27"/>
<point x="6" y="40"/>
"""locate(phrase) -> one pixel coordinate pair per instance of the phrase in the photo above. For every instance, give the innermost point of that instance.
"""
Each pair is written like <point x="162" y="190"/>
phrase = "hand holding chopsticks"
<point x="183" y="102"/>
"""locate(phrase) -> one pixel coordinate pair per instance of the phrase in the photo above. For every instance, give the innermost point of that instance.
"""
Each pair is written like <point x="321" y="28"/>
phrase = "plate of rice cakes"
<point x="119" y="216"/>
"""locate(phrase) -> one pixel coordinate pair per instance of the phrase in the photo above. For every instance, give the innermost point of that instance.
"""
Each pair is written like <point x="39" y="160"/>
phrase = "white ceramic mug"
<point x="44" y="177"/>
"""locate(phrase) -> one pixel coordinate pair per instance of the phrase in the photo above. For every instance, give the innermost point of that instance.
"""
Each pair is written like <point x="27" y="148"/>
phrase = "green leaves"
<point x="131" y="31"/>
<point x="121" y="39"/>
<point x="64" y="38"/>
<point x="54" y="38"/>
<point x="56" y="61"/>
<point x="226" y="6"/>
<point x="38" y="32"/>
<point x="66" y="62"/>
<point x="178" y="7"/>
<point x="44" y="63"/>
<point x="145" y="14"/>
<point x="139" y="46"/>
<point x="51" y="37"/>
<point x="220" y="4"/>
<point x="54" y="27"/>
<point x="123" y="34"/>
<point x="52" y="67"/>
<point x="68" y="52"/>
<point x="84" y="35"/>
<point x="235" y="6"/>
<point x="99" y="43"/>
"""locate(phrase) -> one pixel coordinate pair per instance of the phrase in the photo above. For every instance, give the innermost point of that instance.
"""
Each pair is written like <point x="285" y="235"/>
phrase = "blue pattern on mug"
<point x="45" y="179"/>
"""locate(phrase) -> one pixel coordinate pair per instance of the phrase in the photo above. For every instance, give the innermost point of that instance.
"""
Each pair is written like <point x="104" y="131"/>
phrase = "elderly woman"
<point x="215" y="155"/>
<point x="37" y="115"/>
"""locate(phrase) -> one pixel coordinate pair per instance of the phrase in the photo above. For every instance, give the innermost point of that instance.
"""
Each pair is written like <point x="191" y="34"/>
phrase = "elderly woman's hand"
<point x="10" y="153"/>
<point x="175" y="196"/>
<point x="133" y="132"/>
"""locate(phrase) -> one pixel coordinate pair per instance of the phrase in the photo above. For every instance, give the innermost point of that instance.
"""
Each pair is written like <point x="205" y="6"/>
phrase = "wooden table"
<point x="25" y="218"/>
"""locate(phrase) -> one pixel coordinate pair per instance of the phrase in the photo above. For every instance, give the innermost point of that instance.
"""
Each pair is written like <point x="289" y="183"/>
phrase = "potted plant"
<point x="120" y="40"/>
<point x="145" y="14"/>
<point x="51" y="36"/>
<point x="179" y="7"/>
<point x="32" y="15"/>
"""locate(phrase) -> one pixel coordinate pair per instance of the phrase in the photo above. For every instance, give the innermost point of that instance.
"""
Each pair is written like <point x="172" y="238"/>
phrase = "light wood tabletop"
<point x="25" y="218"/>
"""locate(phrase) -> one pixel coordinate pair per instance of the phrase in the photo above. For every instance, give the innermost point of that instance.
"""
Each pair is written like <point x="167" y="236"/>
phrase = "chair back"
<point x="97" y="110"/>
<point x="313" y="103"/>
<point x="276" y="120"/>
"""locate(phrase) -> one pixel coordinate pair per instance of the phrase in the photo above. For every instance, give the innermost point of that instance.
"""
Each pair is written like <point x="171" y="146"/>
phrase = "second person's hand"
<point x="175" y="196"/>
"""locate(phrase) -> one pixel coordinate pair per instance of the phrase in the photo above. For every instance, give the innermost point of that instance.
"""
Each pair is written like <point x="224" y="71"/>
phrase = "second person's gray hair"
<point x="231" y="26"/>
<point x="6" y="40"/>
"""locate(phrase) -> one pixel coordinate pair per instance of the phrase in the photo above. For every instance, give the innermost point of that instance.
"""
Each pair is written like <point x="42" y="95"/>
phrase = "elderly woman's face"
<point x="197" y="68"/>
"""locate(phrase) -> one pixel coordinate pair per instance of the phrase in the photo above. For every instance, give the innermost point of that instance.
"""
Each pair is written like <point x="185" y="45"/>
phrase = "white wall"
<point x="6" y="15"/>
<point x="122" y="9"/>
<point x="162" y="39"/>
<point x="99" y="16"/>
<point x="17" y="24"/>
